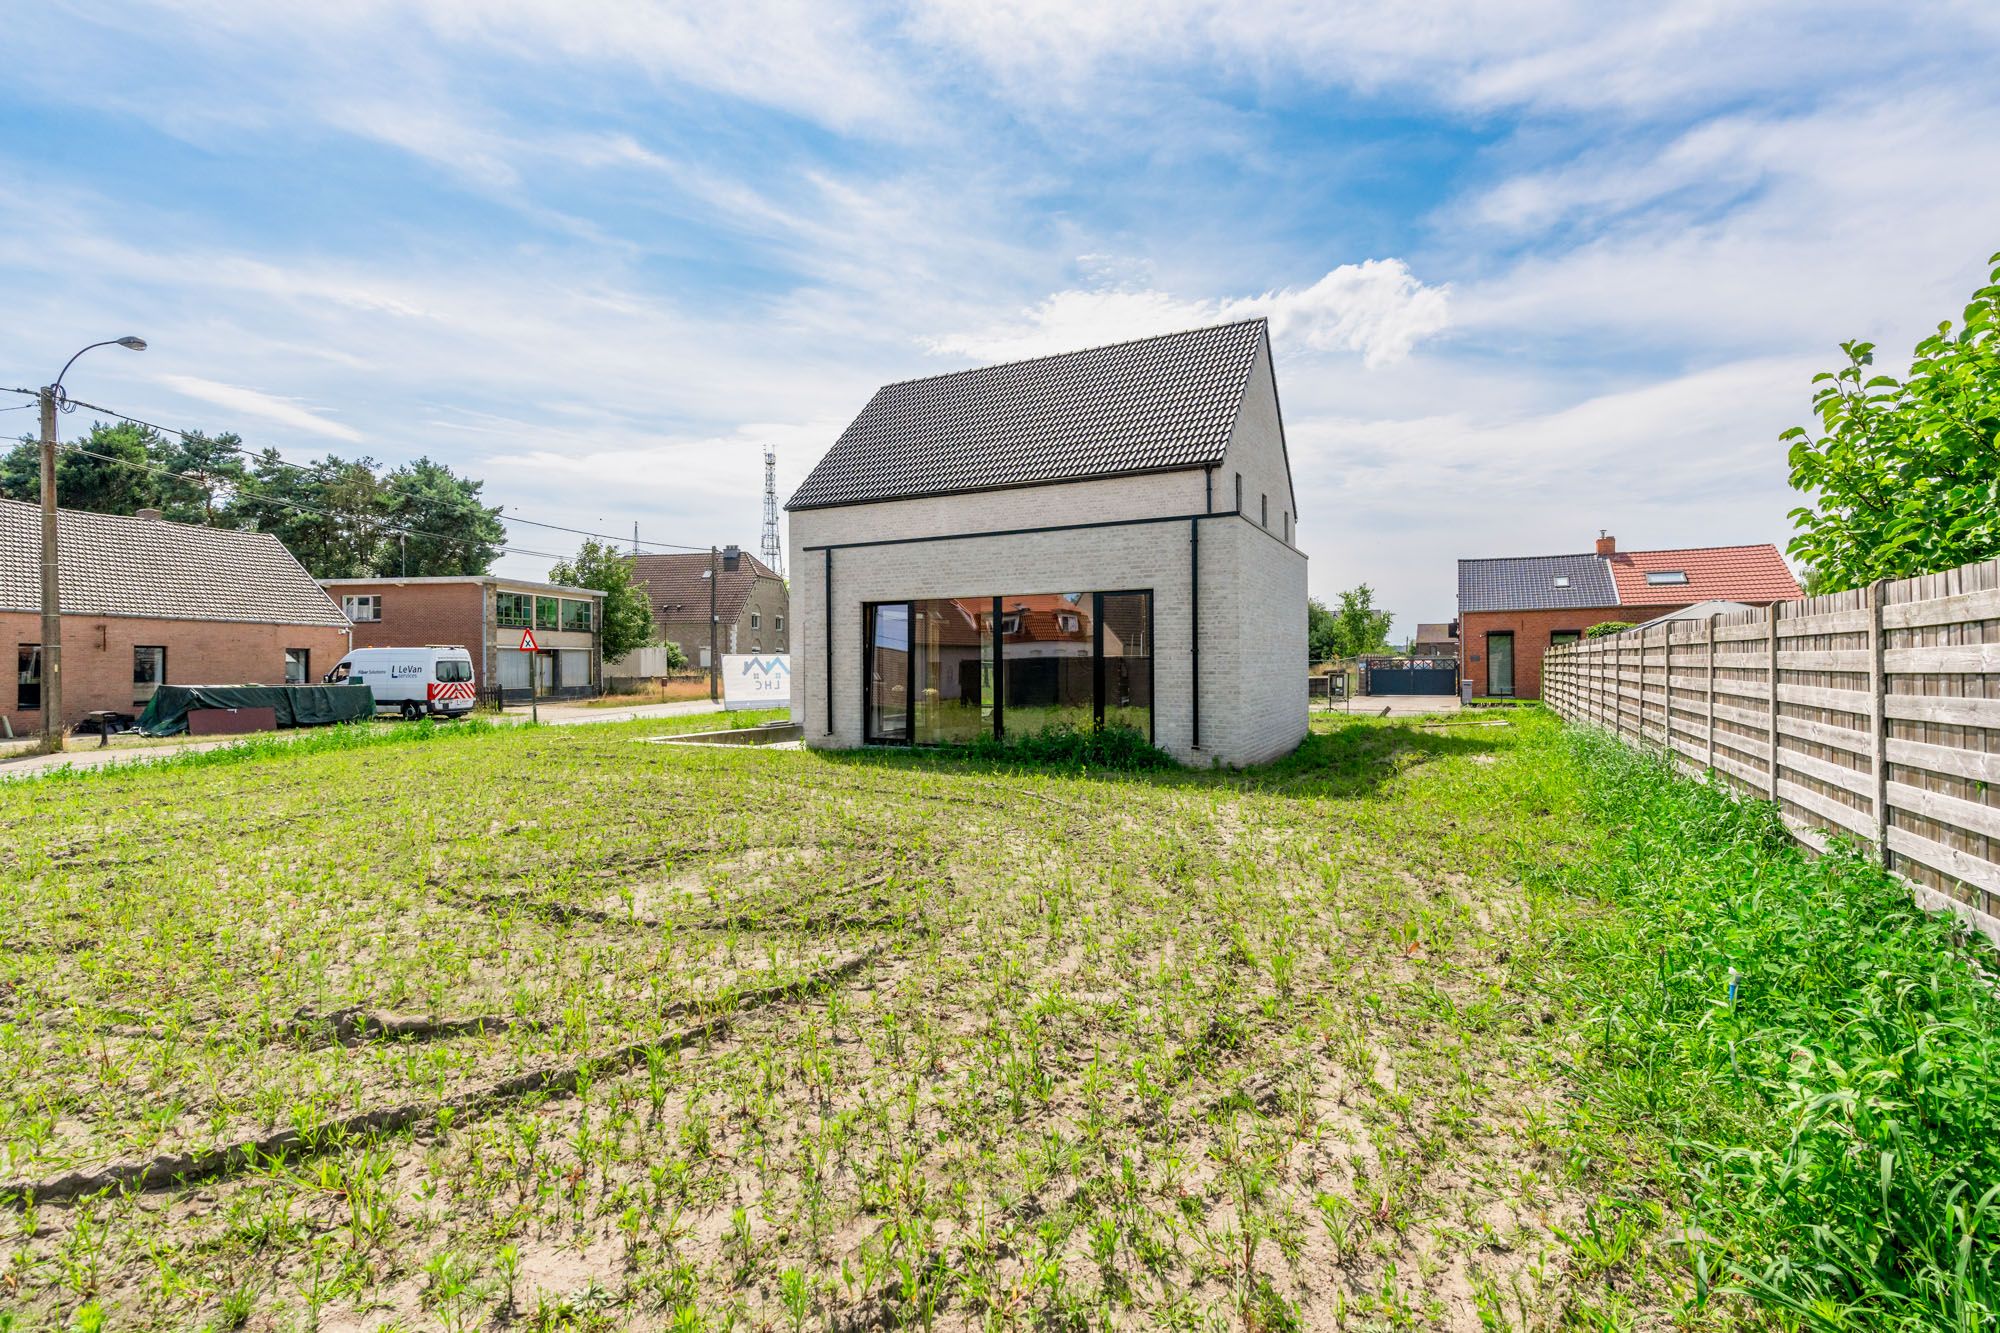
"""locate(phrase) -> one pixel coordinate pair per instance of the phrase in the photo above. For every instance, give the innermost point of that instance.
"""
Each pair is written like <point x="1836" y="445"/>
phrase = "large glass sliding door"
<point x="887" y="628"/>
<point x="1500" y="663"/>
<point x="1050" y="670"/>
<point x="953" y="670"/>
<point x="1126" y="649"/>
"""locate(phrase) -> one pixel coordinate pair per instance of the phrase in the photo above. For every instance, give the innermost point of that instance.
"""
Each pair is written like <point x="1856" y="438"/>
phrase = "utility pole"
<point x="635" y="537"/>
<point x="714" y="662"/>
<point x="51" y="398"/>
<point x="52" y="711"/>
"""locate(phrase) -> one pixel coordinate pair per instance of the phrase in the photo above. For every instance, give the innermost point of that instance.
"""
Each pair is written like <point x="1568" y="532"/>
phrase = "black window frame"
<point x="1513" y="664"/>
<point x="21" y="702"/>
<point x="138" y="648"/>
<point x="1264" y="511"/>
<point x="305" y="664"/>
<point x="1097" y="673"/>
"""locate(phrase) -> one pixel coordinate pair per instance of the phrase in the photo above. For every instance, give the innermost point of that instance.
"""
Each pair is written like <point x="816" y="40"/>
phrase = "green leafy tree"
<point x="460" y="534"/>
<point x="1904" y="474"/>
<point x="329" y="514"/>
<point x="211" y="469"/>
<point x="677" y="659"/>
<point x="628" y="620"/>
<point x="1319" y="631"/>
<point x="106" y="475"/>
<point x="1357" y="626"/>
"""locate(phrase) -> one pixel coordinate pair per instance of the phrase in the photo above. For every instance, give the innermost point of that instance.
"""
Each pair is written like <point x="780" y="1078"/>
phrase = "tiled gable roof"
<point x="1714" y="573"/>
<point x="677" y="585"/>
<point x="1528" y="583"/>
<point x="1156" y="404"/>
<point x="111" y="565"/>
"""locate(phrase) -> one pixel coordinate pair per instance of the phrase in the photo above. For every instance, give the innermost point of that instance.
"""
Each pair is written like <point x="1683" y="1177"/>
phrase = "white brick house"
<point x="1104" y="536"/>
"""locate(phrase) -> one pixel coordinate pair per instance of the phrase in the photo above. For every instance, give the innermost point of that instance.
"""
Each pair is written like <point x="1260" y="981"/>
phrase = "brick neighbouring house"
<point x="752" y="607"/>
<point x="146" y="601"/>
<point x="1103" y="535"/>
<point x="1512" y="608"/>
<point x="486" y="614"/>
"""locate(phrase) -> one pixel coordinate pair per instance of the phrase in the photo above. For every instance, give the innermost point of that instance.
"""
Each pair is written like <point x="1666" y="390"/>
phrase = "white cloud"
<point x="1376" y="308"/>
<point x="252" y="402"/>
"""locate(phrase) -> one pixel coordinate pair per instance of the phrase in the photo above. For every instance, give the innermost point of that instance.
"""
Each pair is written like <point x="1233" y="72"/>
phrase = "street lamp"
<point x="52" y="397"/>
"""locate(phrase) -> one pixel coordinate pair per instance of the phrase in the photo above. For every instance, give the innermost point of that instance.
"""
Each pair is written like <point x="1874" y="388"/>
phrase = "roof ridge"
<point x="1558" y="555"/>
<point x="1076" y="351"/>
<point x="1690" y="550"/>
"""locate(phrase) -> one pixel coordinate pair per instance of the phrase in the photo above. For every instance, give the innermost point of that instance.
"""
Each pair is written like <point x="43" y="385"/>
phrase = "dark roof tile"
<point x="1155" y="404"/>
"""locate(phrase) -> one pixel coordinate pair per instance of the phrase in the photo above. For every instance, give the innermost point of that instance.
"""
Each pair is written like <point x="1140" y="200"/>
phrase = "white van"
<point x="434" y="681"/>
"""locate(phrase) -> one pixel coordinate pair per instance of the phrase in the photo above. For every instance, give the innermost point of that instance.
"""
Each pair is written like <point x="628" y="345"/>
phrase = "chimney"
<point x="153" y="514"/>
<point x="731" y="557"/>
<point x="1606" y="543"/>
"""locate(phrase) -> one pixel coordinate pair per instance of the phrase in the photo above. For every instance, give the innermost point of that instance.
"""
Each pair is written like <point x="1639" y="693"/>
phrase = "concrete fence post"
<point x="1709" y="687"/>
<point x="1878" y="731"/>
<point x="1771" y="703"/>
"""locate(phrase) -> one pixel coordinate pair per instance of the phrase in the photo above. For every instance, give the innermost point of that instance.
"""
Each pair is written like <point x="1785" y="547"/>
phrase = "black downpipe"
<point x="1208" y="490"/>
<point x="1194" y="627"/>
<point x="826" y="627"/>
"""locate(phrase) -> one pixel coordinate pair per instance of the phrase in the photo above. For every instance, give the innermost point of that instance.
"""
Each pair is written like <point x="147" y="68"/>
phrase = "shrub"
<point x="1064" y="746"/>
<point x="1820" y="1055"/>
<point x="1604" y="627"/>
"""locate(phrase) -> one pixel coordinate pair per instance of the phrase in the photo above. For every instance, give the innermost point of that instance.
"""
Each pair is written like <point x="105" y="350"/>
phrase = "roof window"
<point x="1660" y="576"/>
<point x="1562" y="580"/>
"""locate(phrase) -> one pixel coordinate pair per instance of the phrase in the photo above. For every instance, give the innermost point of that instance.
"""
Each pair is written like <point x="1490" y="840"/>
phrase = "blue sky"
<point x="1532" y="270"/>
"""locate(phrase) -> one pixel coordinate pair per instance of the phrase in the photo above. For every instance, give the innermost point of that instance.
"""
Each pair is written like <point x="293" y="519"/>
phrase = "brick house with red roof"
<point x="1511" y="609"/>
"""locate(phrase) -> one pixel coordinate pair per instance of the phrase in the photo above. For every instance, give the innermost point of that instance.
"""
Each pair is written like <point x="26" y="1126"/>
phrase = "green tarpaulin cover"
<point x="296" y="705"/>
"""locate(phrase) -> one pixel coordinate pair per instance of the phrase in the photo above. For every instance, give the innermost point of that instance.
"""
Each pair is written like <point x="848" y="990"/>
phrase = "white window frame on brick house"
<point x="363" y="608"/>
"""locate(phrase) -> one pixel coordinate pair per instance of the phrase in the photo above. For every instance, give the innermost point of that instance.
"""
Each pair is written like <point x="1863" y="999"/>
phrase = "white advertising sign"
<point x="756" y="681"/>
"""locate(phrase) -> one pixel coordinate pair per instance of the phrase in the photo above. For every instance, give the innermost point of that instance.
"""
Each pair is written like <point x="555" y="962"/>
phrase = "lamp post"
<point x="51" y="399"/>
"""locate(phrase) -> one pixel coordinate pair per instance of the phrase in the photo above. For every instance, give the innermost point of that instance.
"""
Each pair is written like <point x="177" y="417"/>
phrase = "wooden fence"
<point x="1884" y="724"/>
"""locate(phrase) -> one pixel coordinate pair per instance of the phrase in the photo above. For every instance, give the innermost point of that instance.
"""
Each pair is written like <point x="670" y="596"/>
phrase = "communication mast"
<point x="773" y="552"/>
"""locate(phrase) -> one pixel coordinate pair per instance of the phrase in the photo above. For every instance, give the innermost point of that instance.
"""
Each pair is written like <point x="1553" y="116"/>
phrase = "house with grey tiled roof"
<point x="1512" y="609"/>
<point x="1106" y="537"/>
<point x="146" y="601"/>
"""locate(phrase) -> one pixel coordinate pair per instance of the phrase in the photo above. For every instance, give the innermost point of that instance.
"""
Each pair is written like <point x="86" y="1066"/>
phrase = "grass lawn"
<point x="558" y="1028"/>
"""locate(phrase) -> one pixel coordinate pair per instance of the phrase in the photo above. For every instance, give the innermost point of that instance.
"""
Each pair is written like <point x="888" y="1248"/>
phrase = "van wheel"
<point x="413" y="712"/>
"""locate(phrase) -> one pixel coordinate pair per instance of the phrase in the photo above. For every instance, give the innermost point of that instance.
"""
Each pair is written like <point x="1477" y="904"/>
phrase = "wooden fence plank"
<point x="1970" y="816"/>
<point x="1860" y="822"/>
<point x="1955" y="609"/>
<point x="1825" y="733"/>
<point x="1945" y="860"/>
<point x="1943" y="711"/>
<point x="1963" y="659"/>
<point x="1819" y="696"/>
<point x="1978" y="765"/>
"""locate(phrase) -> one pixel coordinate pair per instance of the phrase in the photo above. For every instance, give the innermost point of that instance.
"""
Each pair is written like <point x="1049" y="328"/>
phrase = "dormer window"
<point x="1068" y="623"/>
<point x="1660" y="577"/>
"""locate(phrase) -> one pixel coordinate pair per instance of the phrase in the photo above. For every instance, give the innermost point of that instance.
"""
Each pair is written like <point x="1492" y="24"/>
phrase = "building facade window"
<point x="779" y="623"/>
<point x="1239" y="492"/>
<point x="548" y="613"/>
<point x="1558" y="637"/>
<point x="1264" y="512"/>
<point x="956" y="669"/>
<point x="149" y="671"/>
<point x="756" y="620"/>
<point x="362" y="608"/>
<point x="514" y="610"/>
<point x="28" y="678"/>
<point x="576" y="616"/>
<point x="298" y="666"/>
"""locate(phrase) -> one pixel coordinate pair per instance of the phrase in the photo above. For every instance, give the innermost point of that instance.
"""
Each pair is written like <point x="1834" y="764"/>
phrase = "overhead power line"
<point x="245" y="452"/>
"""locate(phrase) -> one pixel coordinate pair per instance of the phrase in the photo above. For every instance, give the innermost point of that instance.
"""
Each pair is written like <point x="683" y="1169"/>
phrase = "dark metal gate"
<point x="1412" y="680"/>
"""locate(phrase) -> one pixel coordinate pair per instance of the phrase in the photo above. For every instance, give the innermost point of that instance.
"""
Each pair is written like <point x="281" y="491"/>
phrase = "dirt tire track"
<point x="181" y="1168"/>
